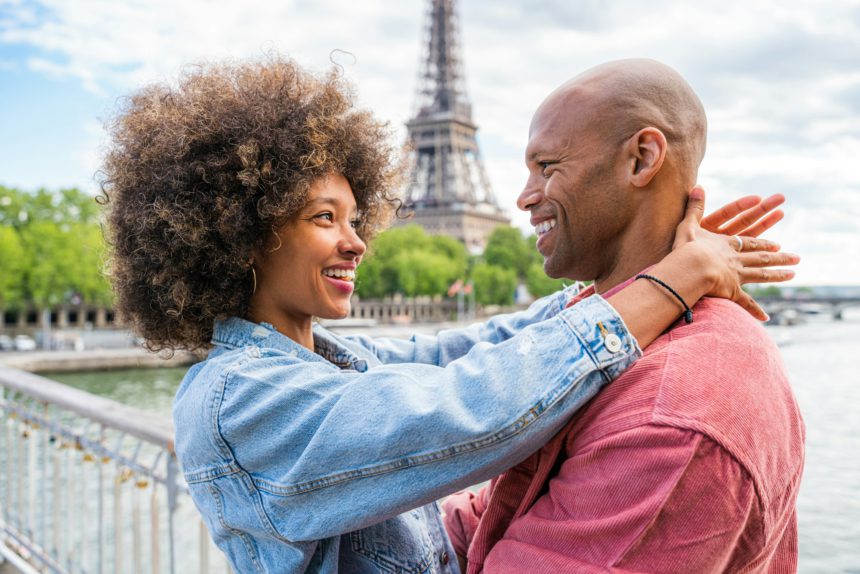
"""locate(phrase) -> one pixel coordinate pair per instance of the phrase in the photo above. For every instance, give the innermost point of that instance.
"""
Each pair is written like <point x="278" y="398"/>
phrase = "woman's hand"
<point x="750" y="216"/>
<point x="731" y="262"/>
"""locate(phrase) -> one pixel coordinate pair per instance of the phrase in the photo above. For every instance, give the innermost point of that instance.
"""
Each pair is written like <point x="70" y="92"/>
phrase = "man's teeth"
<point x="545" y="226"/>
<point x="345" y="274"/>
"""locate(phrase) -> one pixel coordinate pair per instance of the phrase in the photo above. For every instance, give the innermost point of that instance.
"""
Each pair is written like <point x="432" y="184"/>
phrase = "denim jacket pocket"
<point x="399" y="545"/>
<point x="235" y="542"/>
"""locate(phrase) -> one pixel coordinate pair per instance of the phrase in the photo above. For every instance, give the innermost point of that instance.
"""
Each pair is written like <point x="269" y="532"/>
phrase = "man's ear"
<point x="647" y="150"/>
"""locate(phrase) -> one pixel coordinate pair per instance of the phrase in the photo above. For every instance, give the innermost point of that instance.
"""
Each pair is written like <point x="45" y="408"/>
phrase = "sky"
<point x="780" y="81"/>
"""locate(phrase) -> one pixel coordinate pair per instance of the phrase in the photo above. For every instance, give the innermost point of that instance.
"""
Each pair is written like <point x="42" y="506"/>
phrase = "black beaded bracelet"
<point x="688" y="313"/>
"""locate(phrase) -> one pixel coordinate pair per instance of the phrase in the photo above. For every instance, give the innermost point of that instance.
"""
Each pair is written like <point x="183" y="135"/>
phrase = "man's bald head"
<point x="612" y="154"/>
<point x="626" y="96"/>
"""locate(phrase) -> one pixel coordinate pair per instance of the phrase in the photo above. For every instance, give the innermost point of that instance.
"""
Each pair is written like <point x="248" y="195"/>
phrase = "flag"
<point x="455" y="287"/>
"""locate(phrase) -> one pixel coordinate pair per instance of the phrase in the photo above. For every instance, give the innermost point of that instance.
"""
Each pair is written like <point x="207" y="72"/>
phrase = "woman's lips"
<point x="340" y="284"/>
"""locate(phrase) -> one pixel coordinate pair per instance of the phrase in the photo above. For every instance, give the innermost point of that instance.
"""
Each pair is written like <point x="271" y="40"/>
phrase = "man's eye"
<point x="543" y="167"/>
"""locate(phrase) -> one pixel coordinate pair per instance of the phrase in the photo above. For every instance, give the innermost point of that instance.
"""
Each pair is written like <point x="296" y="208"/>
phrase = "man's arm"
<point x="651" y="499"/>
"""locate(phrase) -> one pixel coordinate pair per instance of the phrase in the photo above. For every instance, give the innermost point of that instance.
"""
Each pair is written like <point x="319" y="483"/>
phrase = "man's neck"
<point x="643" y="244"/>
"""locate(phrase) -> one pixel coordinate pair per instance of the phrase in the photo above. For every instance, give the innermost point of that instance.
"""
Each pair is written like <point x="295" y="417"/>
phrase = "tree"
<point x="494" y="285"/>
<point x="52" y="263"/>
<point x="13" y="207"/>
<point x="12" y="267"/>
<point x="88" y="279"/>
<point x="539" y="284"/>
<point x="51" y="248"/>
<point x="408" y="261"/>
<point x="508" y="249"/>
<point x="424" y="273"/>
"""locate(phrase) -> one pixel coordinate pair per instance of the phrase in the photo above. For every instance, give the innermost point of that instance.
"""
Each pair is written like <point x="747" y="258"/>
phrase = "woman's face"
<point x="312" y="272"/>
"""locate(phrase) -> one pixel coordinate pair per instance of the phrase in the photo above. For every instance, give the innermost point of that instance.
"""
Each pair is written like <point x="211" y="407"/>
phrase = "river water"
<point x="823" y="361"/>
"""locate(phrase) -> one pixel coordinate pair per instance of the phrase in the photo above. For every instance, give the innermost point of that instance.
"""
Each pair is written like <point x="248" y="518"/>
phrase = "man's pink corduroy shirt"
<point x="689" y="462"/>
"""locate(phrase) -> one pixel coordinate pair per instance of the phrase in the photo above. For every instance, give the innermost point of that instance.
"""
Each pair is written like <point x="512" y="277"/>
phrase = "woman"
<point x="239" y="207"/>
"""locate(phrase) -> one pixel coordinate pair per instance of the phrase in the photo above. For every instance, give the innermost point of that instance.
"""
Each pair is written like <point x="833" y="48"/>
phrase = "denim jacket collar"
<point x="236" y="332"/>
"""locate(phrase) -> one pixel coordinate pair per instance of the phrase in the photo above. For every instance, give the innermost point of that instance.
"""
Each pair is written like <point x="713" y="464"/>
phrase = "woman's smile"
<point x="342" y="277"/>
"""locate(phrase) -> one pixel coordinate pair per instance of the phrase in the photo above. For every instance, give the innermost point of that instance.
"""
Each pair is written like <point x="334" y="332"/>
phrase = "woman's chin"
<point x="335" y="314"/>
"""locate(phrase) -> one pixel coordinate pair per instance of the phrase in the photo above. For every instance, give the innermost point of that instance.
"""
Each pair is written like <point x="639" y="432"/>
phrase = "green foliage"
<point x="494" y="285"/>
<point x="406" y="260"/>
<point x="12" y="260"/>
<point x="766" y="291"/>
<point x="508" y="249"/>
<point x="424" y="273"/>
<point x="539" y="284"/>
<point x="51" y="248"/>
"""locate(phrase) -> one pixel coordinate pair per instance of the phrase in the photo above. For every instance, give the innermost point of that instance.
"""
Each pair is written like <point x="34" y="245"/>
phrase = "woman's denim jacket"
<point x="332" y="461"/>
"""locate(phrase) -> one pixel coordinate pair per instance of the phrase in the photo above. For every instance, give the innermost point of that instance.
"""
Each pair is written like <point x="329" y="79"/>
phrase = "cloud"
<point x="780" y="80"/>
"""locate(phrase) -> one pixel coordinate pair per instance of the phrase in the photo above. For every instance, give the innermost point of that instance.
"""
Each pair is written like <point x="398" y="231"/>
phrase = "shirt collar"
<point x="589" y="291"/>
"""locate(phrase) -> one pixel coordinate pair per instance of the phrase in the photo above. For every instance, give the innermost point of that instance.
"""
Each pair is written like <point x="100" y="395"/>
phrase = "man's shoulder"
<point x="723" y="321"/>
<point x="721" y="366"/>
<point x="721" y="376"/>
<point x="722" y="349"/>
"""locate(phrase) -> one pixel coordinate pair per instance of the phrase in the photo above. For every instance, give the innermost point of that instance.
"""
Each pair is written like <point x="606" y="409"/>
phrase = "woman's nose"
<point x="352" y="243"/>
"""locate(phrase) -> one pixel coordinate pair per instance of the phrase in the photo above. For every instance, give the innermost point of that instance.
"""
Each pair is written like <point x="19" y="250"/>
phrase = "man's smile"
<point x="545" y="226"/>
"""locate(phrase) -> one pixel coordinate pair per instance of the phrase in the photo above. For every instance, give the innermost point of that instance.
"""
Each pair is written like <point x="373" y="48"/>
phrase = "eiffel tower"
<point x="449" y="192"/>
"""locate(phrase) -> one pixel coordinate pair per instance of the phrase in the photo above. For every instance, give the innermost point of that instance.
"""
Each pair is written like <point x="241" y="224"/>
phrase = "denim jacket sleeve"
<point x="330" y="451"/>
<point x="452" y="344"/>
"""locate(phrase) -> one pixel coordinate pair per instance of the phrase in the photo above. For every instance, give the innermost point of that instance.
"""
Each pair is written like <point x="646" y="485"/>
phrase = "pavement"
<point x="91" y="360"/>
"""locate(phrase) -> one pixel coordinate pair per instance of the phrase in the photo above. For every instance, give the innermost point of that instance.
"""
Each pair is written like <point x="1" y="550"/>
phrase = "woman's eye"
<point x="355" y="223"/>
<point x="327" y="216"/>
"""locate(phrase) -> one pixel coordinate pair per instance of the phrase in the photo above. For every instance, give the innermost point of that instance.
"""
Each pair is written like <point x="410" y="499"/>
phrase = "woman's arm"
<point x="690" y="271"/>
<point x="451" y="344"/>
<point x="331" y="451"/>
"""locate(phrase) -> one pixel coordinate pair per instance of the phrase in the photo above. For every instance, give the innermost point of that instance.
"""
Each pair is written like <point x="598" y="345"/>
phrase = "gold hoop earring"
<point x="254" y="278"/>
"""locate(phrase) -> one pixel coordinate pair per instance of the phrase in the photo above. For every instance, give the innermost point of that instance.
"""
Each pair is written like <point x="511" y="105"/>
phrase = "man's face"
<point x="573" y="191"/>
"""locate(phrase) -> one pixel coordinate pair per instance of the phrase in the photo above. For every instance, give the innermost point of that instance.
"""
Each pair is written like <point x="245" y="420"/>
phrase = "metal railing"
<point x="88" y="485"/>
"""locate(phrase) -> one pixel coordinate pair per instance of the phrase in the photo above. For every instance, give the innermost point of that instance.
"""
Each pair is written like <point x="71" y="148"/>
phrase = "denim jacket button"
<point x="612" y="342"/>
<point x="444" y="558"/>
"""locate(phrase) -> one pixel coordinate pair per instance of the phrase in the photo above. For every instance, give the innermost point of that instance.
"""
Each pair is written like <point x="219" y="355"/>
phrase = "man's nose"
<point x="530" y="196"/>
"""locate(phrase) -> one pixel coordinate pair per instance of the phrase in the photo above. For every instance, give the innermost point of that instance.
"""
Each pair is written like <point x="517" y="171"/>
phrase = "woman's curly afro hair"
<point x="198" y="175"/>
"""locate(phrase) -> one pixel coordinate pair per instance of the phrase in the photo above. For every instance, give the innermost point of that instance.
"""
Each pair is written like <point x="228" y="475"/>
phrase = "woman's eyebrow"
<point x="324" y="200"/>
<point x="330" y="201"/>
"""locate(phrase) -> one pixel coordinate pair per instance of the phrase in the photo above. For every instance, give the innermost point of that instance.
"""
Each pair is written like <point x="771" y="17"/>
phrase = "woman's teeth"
<point x="545" y="226"/>
<point x="342" y="274"/>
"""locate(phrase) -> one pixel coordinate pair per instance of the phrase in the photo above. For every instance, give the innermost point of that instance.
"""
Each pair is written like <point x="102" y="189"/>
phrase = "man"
<point x="690" y="461"/>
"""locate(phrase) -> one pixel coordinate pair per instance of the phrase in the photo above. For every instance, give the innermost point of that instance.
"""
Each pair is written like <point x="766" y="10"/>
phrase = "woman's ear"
<point x="647" y="151"/>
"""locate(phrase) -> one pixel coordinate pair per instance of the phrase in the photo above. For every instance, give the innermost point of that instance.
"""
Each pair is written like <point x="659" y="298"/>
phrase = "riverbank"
<point x="92" y="360"/>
